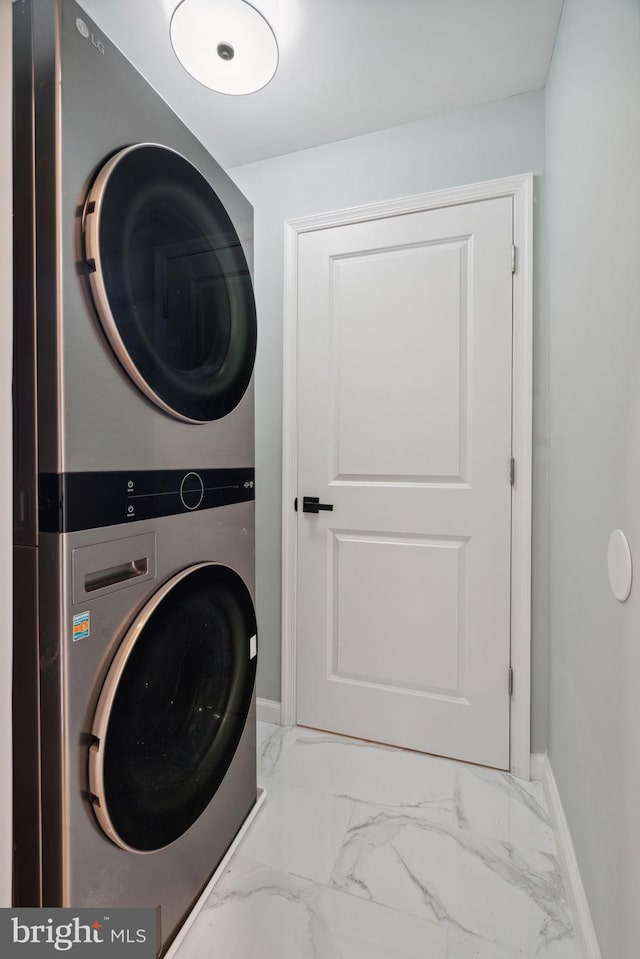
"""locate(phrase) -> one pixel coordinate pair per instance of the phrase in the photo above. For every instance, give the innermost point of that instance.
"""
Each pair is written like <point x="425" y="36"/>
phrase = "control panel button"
<point x="191" y="491"/>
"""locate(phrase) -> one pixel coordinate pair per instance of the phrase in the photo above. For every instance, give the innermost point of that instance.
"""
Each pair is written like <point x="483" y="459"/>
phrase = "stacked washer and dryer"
<point x="135" y="337"/>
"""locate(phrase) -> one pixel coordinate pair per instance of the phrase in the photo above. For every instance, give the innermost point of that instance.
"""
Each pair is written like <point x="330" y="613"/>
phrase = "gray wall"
<point x="493" y="140"/>
<point x="6" y="519"/>
<point x="593" y="210"/>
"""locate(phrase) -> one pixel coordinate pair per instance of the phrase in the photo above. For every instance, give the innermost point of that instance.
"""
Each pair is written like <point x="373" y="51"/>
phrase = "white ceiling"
<point x="347" y="67"/>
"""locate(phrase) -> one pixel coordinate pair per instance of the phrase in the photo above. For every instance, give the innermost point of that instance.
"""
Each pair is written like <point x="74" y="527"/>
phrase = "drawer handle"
<point x="116" y="574"/>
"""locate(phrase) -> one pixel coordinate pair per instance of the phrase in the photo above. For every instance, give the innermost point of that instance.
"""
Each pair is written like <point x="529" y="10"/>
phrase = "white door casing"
<point x="400" y="316"/>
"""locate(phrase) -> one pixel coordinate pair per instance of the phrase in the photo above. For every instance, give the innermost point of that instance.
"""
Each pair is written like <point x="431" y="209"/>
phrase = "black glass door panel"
<point x="171" y="282"/>
<point x="179" y="708"/>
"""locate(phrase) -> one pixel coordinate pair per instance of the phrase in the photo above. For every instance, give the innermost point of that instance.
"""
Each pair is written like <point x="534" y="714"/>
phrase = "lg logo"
<point x="83" y="29"/>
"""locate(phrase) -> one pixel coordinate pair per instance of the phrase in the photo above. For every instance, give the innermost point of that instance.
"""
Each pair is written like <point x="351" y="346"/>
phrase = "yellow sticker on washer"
<point x="81" y="626"/>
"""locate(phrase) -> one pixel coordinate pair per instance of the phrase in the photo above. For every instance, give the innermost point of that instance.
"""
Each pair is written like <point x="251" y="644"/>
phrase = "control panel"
<point x="73" y="501"/>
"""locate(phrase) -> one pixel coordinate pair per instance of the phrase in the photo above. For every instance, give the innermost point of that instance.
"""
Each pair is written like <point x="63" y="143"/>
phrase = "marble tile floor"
<point x="368" y="852"/>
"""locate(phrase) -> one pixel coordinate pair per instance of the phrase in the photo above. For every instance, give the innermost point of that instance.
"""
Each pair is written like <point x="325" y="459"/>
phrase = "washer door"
<point x="173" y="708"/>
<point x="170" y="282"/>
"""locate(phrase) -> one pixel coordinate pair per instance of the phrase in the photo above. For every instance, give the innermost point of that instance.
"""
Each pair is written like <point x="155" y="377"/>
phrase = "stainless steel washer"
<point x="148" y="708"/>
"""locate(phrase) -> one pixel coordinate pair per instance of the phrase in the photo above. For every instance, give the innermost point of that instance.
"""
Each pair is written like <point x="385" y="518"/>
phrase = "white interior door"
<point x="404" y="427"/>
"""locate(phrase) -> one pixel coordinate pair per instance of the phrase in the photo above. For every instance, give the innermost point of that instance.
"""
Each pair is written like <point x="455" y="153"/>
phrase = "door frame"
<point x="520" y="189"/>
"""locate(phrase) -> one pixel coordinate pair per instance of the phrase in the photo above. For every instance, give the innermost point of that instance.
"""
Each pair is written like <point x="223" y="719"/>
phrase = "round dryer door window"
<point x="170" y="282"/>
<point x="173" y="708"/>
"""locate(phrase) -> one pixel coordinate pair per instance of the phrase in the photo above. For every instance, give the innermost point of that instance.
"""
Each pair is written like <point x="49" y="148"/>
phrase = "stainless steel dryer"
<point x="146" y="324"/>
<point x="148" y="706"/>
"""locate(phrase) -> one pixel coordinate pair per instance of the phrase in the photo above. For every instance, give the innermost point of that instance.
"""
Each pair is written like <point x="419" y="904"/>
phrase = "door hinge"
<point x="510" y="681"/>
<point x="513" y="258"/>
<point x="512" y="470"/>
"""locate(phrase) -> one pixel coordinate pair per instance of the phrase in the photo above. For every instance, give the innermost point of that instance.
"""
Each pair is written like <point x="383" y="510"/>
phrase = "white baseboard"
<point x="268" y="711"/>
<point x="536" y="766"/>
<point x="576" y="895"/>
<point x="193" y="915"/>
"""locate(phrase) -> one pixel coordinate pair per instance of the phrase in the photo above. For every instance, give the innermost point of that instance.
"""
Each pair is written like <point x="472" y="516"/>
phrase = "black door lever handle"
<point x="312" y="504"/>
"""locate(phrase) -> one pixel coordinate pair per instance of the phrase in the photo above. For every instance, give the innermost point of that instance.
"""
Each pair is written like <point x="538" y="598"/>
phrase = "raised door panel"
<point x="399" y="337"/>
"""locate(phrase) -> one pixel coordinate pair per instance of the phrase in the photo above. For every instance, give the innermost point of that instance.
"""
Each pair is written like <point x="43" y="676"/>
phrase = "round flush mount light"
<point x="227" y="45"/>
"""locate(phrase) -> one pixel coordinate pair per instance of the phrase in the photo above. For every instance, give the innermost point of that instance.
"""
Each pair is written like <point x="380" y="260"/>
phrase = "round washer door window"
<point x="170" y="282"/>
<point x="173" y="708"/>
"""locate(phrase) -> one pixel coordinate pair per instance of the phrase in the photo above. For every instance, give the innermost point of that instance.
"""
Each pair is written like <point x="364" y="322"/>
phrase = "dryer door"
<point x="173" y="708"/>
<point x="170" y="282"/>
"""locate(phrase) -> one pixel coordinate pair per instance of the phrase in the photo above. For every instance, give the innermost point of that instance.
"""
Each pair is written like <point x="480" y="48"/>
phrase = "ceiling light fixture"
<point x="227" y="45"/>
